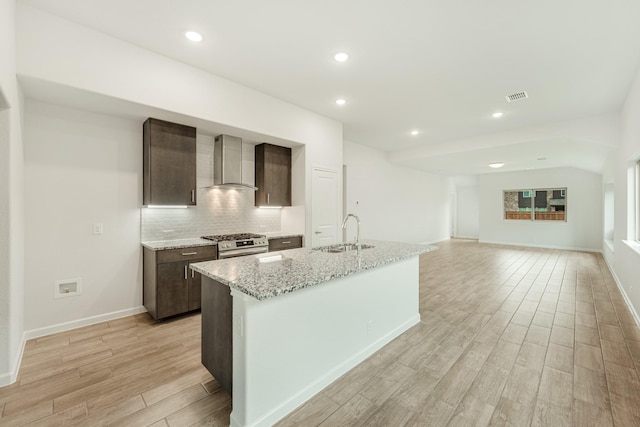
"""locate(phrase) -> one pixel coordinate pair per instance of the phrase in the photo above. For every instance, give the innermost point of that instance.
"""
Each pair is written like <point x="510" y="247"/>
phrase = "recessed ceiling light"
<point x="497" y="114"/>
<point x="341" y="56"/>
<point x="193" y="36"/>
<point x="496" y="165"/>
<point x="341" y="101"/>
<point x="414" y="132"/>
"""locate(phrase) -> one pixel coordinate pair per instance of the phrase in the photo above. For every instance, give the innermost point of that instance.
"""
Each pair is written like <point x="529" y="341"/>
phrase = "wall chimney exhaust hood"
<point x="227" y="163"/>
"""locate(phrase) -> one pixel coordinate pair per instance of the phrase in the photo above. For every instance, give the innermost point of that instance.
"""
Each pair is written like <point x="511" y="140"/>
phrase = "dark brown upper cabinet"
<point x="273" y="175"/>
<point x="169" y="165"/>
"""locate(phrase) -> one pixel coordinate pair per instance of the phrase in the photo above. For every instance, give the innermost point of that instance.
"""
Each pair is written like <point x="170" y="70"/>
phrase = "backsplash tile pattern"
<point x="219" y="211"/>
<point x="232" y="211"/>
<point x="167" y="224"/>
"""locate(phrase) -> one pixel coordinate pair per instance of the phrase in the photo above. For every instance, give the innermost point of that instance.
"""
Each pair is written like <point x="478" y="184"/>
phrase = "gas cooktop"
<point x="230" y="237"/>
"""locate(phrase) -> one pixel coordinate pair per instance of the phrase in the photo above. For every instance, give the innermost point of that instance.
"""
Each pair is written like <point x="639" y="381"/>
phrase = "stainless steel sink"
<point x="343" y="247"/>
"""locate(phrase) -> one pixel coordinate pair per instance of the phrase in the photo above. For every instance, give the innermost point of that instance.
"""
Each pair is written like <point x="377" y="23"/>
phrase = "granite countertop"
<point x="159" y="245"/>
<point x="296" y="269"/>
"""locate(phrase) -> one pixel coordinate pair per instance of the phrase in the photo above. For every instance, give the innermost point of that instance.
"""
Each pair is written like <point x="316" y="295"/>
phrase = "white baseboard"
<point x="335" y="373"/>
<point x="633" y="311"/>
<point x="74" y="324"/>
<point x="10" y="377"/>
<point x="535" y="245"/>
<point x="435" y="242"/>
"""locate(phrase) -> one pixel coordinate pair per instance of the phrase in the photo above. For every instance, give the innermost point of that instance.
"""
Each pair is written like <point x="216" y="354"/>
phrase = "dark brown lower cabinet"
<point x="217" y="339"/>
<point x="172" y="294"/>
<point x="170" y="287"/>
<point x="282" y="243"/>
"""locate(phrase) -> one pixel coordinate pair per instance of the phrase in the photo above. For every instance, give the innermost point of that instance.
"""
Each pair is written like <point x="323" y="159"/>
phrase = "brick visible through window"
<point x="541" y="204"/>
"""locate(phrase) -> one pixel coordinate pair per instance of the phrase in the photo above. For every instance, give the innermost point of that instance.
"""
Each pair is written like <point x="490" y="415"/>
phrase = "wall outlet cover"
<point x="67" y="288"/>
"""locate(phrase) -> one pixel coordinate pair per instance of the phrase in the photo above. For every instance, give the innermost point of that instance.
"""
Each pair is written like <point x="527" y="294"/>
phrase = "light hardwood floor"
<point x="509" y="336"/>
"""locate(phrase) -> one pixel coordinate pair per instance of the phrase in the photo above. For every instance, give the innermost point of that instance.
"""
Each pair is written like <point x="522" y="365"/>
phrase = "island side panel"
<point x="217" y="353"/>
<point x="288" y="348"/>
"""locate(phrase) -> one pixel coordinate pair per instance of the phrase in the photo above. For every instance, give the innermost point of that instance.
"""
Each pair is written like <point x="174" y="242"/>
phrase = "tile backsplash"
<point x="219" y="211"/>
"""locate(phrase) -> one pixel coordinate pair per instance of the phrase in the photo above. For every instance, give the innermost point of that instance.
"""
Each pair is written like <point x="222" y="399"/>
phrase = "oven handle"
<point x="242" y="252"/>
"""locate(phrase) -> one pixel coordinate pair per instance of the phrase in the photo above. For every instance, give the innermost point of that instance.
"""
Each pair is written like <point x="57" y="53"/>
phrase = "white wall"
<point x="468" y="212"/>
<point x="625" y="258"/>
<point x="81" y="168"/>
<point x="11" y="201"/>
<point x="94" y="62"/>
<point x="394" y="202"/>
<point x="609" y="212"/>
<point x="95" y="159"/>
<point x="583" y="228"/>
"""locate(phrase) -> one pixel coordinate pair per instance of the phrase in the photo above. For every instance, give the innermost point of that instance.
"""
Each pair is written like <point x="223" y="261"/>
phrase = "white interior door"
<point x="324" y="207"/>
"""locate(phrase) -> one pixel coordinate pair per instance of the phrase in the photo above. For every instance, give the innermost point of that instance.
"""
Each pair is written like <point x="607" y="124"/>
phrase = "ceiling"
<point x="438" y="67"/>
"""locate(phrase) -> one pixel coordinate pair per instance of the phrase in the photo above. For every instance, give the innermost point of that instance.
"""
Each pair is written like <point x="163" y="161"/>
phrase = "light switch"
<point x="97" y="229"/>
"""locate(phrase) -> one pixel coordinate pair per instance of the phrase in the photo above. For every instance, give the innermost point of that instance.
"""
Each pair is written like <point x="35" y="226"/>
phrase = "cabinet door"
<point x="172" y="289"/>
<point x="273" y="175"/>
<point x="169" y="163"/>
<point x="195" y="284"/>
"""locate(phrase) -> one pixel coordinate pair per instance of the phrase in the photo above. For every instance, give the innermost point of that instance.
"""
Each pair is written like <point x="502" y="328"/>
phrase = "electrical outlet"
<point x="97" y="229"/>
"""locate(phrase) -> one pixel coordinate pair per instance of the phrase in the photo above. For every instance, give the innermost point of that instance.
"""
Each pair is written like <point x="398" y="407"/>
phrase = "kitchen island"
<point x="279" y="327"/>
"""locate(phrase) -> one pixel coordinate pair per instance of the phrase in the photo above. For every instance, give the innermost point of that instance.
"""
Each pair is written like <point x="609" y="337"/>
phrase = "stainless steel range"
<point x="233" y="245"/>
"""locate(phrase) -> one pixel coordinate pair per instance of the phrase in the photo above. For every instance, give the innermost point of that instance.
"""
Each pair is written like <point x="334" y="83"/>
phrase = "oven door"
<point x="242" y="252"/>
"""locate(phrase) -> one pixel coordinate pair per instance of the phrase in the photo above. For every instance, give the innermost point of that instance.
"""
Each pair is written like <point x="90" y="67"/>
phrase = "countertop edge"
<point x="160" y="245"/>
<point x="292" y="288"/>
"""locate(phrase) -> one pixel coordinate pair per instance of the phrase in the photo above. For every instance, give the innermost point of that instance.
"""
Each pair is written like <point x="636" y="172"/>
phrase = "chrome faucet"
<point x="344" y="226"/>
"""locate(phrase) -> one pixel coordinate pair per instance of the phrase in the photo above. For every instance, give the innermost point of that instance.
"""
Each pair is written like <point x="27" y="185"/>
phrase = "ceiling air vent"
<point x="517" y="96"/>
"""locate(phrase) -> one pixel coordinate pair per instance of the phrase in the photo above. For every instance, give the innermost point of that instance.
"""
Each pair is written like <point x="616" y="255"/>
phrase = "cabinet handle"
<point x="193" y="273"/>
<point x="189" y="253"/>
<point x="267" y="198"/>
<point x="193" y="196"/>
<point x="286" y="243"/>
<point x="185" y="272"/>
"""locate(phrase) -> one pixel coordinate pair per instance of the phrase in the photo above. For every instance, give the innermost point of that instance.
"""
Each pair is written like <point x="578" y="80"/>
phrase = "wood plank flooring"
<point x="510" y="336"/>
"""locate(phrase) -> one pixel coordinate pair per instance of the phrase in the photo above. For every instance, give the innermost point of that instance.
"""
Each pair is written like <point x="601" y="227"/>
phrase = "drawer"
<point x="187" y="254"/>
<point x="280" y="244"/>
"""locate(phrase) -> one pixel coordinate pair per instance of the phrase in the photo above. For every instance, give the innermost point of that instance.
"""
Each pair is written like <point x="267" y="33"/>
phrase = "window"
<point x="543" y="204"/>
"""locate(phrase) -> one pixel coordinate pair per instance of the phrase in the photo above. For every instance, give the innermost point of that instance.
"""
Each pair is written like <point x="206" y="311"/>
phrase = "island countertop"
<point x="269" y="275"/>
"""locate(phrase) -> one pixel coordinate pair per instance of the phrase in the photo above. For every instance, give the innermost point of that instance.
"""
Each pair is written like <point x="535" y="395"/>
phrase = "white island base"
<point x="288" y="348"/>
